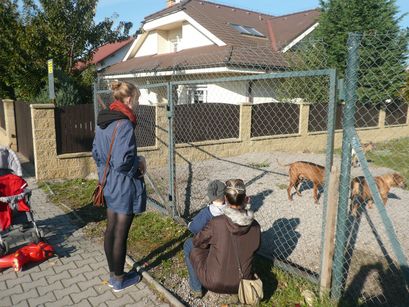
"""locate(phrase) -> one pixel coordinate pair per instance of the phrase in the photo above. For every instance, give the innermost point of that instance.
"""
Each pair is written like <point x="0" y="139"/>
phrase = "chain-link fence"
<point x="372" y="246"/>
<point x="248" y="113"/>
<point x="251" y="113"/>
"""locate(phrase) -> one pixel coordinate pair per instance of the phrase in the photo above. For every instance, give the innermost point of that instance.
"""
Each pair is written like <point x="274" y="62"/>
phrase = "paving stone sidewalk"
<point x="77" y="278"/>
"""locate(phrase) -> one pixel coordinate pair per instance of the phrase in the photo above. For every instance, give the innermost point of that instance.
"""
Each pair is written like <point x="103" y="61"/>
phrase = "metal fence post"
<point x="351" y="78"/>
<point x="329" y="157"/>
<point x="94" y="96"/>
<point x="171" y="153"/>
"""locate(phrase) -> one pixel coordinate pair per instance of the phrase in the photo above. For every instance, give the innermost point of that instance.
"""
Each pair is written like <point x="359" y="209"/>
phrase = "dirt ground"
<point x="292" y="230"/>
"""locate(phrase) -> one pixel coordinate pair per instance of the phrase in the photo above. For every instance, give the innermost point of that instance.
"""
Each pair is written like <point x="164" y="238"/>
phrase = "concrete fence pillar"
<point x="10" y="121"/>
<point x="382" y="116"/>
<point x="245" y="121"/>
<point x="304" y="118"/>
<point x="44" y="141"/>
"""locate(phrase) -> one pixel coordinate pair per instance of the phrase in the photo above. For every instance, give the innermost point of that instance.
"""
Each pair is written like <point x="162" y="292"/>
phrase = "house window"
<point x="247" y="30"/>
<point x="196" y="95"/>
<point x="174" y="45"/>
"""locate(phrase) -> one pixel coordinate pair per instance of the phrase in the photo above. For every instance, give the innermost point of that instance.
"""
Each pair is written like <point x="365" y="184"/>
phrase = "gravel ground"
<point x="291" y="231"/>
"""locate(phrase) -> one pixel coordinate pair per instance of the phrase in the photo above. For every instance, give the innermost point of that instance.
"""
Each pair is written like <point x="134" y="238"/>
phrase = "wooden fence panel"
<point x="24" y="130"/>
<point x="145" y="126"/>
<point x="318" y="117"/>
<point x="202" y="122"/>
<point x="75" y="128"/>
<point x="274" y="119"/>
<point x="366" y="115"/>
<point x="396" y="114"/>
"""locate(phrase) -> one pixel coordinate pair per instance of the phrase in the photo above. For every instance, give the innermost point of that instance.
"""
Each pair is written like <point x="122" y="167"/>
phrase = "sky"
<point x="136" y="10"/>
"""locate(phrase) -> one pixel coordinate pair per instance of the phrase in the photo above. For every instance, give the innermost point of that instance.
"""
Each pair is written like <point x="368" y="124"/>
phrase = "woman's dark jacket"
<point x="124" y="192"/>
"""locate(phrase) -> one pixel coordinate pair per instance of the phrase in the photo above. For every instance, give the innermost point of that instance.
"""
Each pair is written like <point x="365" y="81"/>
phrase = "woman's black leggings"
<point x="116" y="235"/>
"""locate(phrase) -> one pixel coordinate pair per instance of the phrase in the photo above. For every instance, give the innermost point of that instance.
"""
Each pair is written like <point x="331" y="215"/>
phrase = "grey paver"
<point x="11" y="291"/>
<point x="22" y="279"/>
<point x="3" y="285"/>
<point x="17" y="298"/>
<point x="78" y="278"/>
<point x="57" y="285"/>
<point x="77" y="297"/>
<point x="101" y="272"/>
<point x="96" y="300"/>
<point x="39" y="283"/>
<point x="73" y="280"/>
<point x="42" y="299"/>
<point x="65" y="301"/>
<point x="52" y="278"/>
<point x="65" y="267"/>
<point x="84" y="303"/>
<point x="66" y="291"/>
<point x="125" y="299"/>
<point x="6" y="301"/>
<point x="83" y="269"/>
<point x="90" y="283"/>
<point x="98" y="265"/>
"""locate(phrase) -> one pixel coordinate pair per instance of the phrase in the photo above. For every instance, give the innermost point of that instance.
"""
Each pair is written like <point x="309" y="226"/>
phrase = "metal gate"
<point x="225" y="138"/>
<point x="24" y="129"/>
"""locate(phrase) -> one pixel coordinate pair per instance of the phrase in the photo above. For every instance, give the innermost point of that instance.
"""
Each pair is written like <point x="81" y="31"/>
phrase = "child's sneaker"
<point x="130" y="279"/>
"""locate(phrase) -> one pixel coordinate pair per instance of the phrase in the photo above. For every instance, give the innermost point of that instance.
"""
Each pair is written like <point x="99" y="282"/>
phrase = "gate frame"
<point x="332" y="100"/>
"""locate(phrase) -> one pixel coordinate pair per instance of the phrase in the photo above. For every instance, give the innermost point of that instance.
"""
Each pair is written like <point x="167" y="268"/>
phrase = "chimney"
<point x="169" y="3"/>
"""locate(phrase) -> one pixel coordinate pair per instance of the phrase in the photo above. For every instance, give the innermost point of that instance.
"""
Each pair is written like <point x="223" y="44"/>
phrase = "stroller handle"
<point x="13" y="199"/>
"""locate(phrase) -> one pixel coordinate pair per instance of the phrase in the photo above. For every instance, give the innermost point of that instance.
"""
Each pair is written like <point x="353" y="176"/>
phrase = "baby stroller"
<point x="15" y="210"/>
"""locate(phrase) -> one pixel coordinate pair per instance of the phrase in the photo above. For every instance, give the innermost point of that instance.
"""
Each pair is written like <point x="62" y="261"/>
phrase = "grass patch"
<point x="282" y="186"/>
<point x="260" y="164"/>
<point x="393" y="154"/>
<point x="156" y="241"/>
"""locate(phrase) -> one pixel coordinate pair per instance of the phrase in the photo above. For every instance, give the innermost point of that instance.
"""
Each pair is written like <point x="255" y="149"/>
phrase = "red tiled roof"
<point x="244" y="51"/>
<point x="204" y="57"/>
<point x="108" y="49"/>
<point x="217" y="18"/>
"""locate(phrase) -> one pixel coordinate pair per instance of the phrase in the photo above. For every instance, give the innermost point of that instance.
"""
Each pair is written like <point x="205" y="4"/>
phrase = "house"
<point x="108" y="54"/>
<point x="197" y="39"/>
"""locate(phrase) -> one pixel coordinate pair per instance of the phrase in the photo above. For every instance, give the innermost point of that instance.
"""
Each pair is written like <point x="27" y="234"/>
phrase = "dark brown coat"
<point x="213" y="255"/>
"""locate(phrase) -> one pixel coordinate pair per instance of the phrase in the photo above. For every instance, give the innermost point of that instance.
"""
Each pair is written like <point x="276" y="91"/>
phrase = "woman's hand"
<point x="142" y="165"/>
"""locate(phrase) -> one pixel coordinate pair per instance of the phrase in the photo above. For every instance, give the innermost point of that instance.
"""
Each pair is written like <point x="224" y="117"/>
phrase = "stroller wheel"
<point x="37" y="236"/>
<point x="4" y="248"/>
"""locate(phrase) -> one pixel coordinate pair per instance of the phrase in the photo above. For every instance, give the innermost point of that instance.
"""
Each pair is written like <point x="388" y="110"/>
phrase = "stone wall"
<point x="8" y="135"/>
<point x="50" y="165"/>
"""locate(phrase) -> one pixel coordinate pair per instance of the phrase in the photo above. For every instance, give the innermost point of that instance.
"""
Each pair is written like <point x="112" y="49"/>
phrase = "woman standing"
<point x="124" y="191"/>
<point x="212" y="255"/>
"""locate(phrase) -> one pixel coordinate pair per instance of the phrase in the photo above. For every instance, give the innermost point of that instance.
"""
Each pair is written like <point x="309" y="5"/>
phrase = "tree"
<point x="63" y="30"/>
<point x="8" y="26"/>
<point x="383" y="47"/>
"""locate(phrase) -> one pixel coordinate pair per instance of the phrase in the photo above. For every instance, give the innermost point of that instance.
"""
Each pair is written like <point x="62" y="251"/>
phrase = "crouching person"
<point x="212" y="255"/>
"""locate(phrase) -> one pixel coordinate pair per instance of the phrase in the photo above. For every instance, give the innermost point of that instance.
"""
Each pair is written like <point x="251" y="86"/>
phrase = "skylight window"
<point x="247" y="30"/>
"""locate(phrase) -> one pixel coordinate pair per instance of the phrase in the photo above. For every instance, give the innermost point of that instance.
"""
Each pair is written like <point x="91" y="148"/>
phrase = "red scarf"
<point x="121" y="107"/>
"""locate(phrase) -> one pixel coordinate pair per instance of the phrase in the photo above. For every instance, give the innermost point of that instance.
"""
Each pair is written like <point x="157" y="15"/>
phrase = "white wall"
<point x="263" y="91"/>
<point x="149" y="46"/>
<point x="193" y="38"/>
<point x="114" y="58"/>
